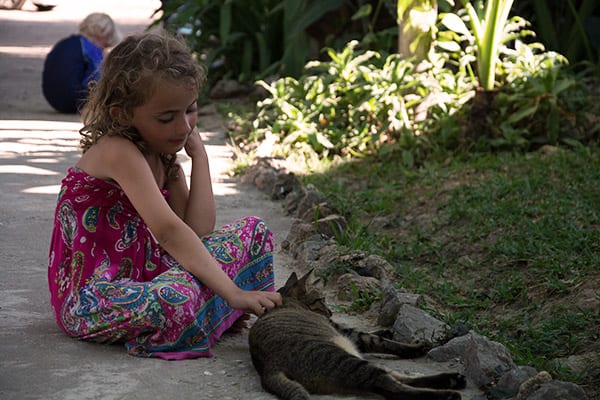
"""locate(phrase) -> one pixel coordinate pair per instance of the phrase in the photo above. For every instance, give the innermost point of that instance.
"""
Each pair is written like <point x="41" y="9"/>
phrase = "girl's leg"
<point x="175" y="316"/>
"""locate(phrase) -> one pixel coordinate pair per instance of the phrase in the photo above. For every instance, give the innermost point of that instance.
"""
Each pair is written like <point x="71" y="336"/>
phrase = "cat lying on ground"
<point x="298" y="350"/>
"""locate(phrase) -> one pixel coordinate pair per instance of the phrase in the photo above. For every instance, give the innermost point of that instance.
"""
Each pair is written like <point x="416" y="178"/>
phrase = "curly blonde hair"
<point x="130" y="75"/>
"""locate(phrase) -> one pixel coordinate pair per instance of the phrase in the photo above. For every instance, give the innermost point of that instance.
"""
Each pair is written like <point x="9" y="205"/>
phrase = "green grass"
<point x="506" y="243"/>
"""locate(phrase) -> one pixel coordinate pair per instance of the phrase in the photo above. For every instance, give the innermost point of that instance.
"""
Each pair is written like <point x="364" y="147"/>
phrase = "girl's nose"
<point x="184" y="125"/>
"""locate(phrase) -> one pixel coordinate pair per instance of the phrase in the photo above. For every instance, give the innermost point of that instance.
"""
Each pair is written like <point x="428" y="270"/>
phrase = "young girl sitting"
<point x="134" y="256"/>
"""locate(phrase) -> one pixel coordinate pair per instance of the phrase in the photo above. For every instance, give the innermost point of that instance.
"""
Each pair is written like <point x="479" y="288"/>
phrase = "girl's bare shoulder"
<point x="108" y="153"/>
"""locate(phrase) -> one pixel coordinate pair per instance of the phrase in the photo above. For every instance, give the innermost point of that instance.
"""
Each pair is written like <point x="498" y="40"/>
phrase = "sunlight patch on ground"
<point x="50" y="189"/>
<point x="26" y="51"/>
<point x="25" y="169"/>
<point x="37" y="125"/>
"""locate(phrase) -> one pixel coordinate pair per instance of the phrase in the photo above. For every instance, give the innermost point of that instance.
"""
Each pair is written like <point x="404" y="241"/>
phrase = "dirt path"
<point x="36" y="147"/>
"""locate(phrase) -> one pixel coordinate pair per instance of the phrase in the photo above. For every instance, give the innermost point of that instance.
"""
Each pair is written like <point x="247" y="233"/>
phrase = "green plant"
<point x="249" y="40"/>
<point x="488" y="27"/>
<point x="569" y="27"/>
<point x="417" y="27"/>
<point x="362" y="102"/>
<point x="349" y="105"/>
<point x="362" y="299"/>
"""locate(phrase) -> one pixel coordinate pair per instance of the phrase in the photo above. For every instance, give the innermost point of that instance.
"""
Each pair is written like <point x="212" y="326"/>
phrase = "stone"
<point x="351" y="285"/>
<point x="299" y="231"/>
<point x="391" y="300"/>
<point x="332" y="225"/>
<point x="484" y="359"/>
<point x="228" y="88"/>
<point x="284" y="184"/>
<point x="311" y="197"/>
<point x="509" y="383"/>
<point x="316" y="212"/>
<point x="265" y="179"/>
<point x="416" y="325"/>
<point x="557" y="390"/>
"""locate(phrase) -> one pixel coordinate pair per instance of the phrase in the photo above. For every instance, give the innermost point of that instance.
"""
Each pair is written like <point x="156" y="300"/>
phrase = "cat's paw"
<point x="451" y="380"/>
<point x="449" y="395"/>
<point x="420" y="348"/>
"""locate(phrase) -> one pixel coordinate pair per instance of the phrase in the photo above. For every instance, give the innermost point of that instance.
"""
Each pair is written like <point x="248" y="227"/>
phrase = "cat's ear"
<point x="302" y="281"/>
<point x="291" y="282"/>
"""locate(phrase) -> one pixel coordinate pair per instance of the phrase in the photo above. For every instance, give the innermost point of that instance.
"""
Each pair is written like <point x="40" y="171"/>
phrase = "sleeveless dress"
<point x="111" y="282"/>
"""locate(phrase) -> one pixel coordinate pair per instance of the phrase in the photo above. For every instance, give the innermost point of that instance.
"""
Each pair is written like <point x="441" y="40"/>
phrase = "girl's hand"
<point x="255" y="301"/>
<point x="194" y="145"/>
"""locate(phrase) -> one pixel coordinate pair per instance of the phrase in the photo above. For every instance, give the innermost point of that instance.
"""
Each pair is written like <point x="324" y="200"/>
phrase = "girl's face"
<point x="167" y="118"/>
<point x="101" y="40"/>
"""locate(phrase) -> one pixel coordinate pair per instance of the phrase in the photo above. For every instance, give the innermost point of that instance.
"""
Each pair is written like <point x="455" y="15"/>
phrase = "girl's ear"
<point x="119" y="115"/>
<point x="114" y="112"/>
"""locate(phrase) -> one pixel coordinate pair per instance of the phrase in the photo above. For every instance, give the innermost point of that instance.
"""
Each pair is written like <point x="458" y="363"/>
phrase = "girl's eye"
<point x="165" y="120"/>
<point x="192" y="110"/>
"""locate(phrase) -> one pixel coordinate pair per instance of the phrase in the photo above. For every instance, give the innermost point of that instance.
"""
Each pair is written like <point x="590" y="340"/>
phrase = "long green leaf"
<point x="225" y="22"/>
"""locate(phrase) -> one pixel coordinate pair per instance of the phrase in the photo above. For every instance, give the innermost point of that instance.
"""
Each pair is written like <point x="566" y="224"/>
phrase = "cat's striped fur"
<point x="298" y="350"/>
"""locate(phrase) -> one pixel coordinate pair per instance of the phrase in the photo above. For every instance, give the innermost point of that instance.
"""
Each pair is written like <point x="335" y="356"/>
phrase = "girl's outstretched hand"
<point x="255" y="301"/>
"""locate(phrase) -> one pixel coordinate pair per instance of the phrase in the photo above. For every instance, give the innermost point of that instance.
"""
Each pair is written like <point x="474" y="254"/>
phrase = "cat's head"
<point x="298" y="291"/>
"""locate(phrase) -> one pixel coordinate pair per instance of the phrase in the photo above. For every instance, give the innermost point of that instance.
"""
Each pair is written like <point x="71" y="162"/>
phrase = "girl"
<point x="133" y="255"/>
<point x="75" y="61"/>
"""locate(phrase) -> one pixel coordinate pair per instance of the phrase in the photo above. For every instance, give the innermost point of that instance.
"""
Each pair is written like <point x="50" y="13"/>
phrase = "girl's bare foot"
<point x="240" y="324"/>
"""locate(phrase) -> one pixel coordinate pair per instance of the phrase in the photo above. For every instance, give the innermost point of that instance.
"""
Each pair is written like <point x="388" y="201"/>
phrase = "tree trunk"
<point x="415" y="29"/>
<point x="481" y="116"/>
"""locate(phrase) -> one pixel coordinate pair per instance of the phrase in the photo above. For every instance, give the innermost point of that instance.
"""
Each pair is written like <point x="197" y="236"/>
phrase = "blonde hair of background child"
<point x="100" y="24"/>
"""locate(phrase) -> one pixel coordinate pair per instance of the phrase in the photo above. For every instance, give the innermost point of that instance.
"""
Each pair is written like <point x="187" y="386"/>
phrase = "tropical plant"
<point x="348" y="106"/>
<point x="488" y="25"/>
<point x="362" y="102"/>
<point x="417" y="27"/>
<point x="570" y="27"/>
<point x="249" y="40"/>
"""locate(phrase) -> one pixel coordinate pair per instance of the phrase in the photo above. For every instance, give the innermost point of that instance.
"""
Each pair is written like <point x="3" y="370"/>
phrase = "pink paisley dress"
<point x="110" y="281"/>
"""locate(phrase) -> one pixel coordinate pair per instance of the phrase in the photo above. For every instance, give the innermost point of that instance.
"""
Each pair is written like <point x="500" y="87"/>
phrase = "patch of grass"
<point x="508" y="244"/>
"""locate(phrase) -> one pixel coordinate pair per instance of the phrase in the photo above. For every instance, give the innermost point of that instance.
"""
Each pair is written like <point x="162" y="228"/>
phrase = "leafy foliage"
<point x="249" y="40"/>
<point x="361" y="100"/>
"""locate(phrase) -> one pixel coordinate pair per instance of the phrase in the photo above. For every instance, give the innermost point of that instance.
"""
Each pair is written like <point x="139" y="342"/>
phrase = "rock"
<point x="311" y="197"/>
<point x="532" y="384"/>
<point x="292" y="200"/>
<point x="265" y="179"/>
<point x="316" y="212"/>
<point x="284" y="184"/>
<point x="391" y="301"/>
<point x="299" y="232"/>
<point x="332" y="225"/>
<point x="351" y="285"/>
<point x="228" y="88"/>
<point x="484" y="360"/>
<point x="307" y="251"/>
<point x="415" y="325"/>
<point x="509" y="383"/>
<point x="555" y="390"/>
<point x="377" y="266"/>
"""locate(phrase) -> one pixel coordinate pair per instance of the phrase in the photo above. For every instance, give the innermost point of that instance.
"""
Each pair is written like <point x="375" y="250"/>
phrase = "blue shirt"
<point x="68" y="69"/>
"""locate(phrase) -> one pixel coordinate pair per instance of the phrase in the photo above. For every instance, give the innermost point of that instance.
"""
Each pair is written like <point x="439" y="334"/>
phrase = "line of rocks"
<point x="403" y="315"/>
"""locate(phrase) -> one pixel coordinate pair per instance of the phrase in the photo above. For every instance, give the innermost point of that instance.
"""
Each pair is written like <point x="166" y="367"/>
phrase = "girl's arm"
<point x="196" y="206"/>
<point x="121" y="161"/>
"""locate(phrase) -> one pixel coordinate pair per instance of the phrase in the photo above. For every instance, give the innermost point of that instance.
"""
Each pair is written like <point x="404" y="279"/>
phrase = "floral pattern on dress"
<point x="110" y="281"/>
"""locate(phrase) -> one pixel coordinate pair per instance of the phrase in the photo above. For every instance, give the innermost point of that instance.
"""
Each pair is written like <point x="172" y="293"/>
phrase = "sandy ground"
<point x="37" y="361"/>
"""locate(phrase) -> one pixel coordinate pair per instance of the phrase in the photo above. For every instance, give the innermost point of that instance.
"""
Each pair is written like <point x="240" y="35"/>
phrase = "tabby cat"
<point x="298" y="350"/>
